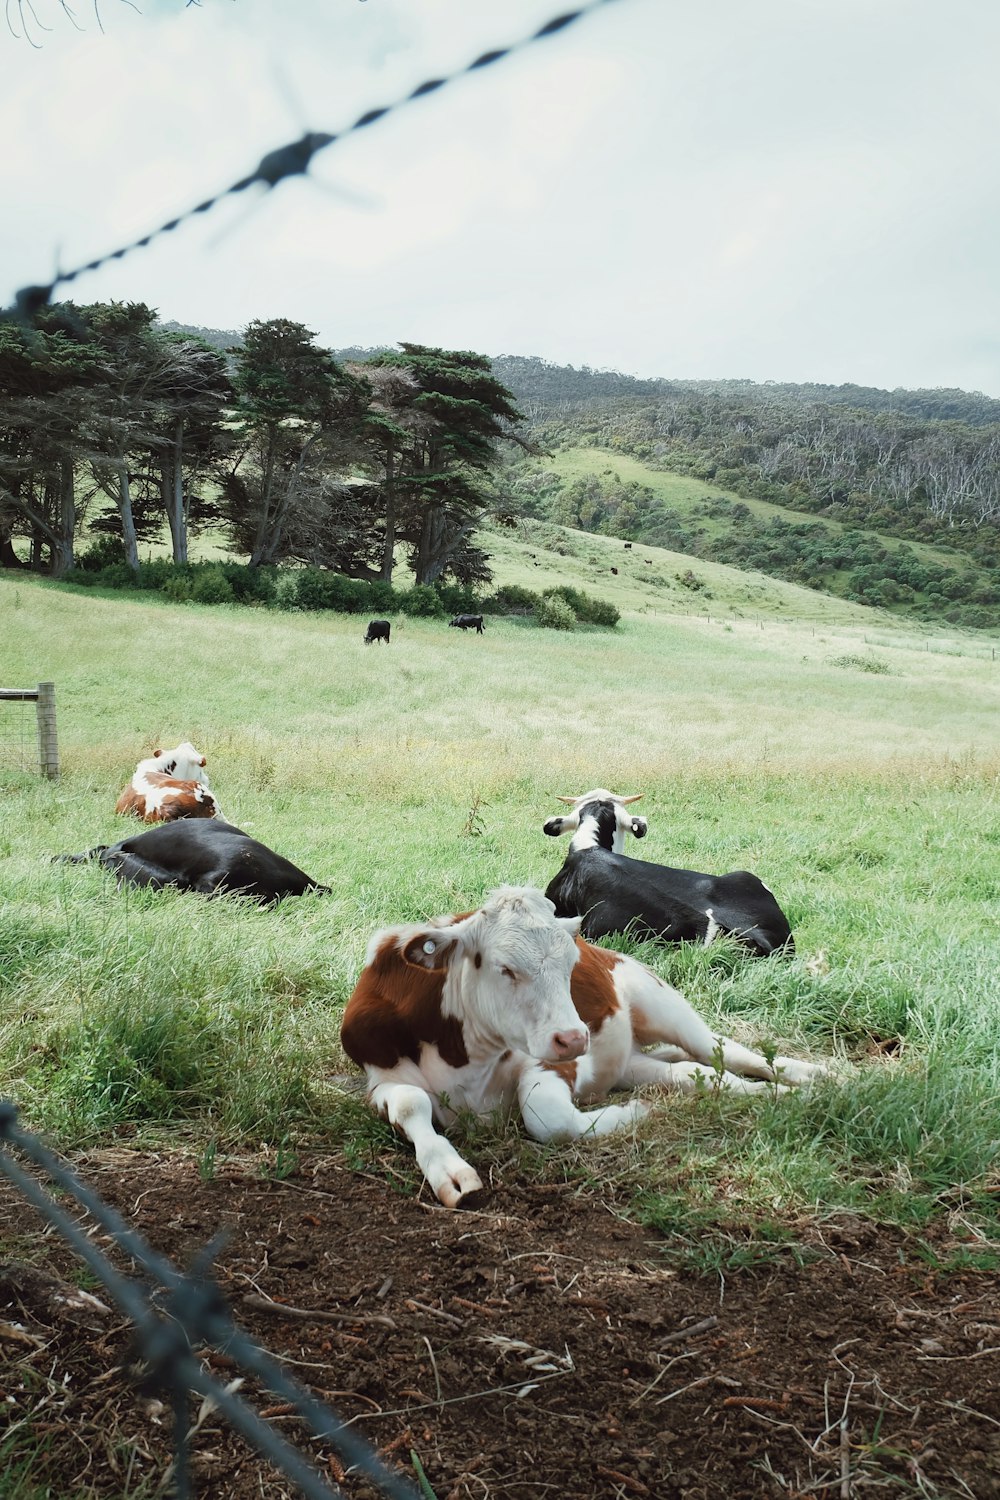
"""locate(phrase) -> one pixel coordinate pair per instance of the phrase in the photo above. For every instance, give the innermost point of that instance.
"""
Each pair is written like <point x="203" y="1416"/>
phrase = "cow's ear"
<point x="571" y="925"/>
<point x="430" y="950"/>
<point x="639" y="826"/>
<point x="568" y="823"/>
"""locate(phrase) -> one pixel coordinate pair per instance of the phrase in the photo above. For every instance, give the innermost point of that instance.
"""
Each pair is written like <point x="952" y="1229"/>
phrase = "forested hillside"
<point x="860" y="469"/>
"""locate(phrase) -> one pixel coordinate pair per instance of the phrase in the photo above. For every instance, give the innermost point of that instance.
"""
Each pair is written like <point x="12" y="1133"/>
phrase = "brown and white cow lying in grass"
<point x="508" y="1002"/>
<point x="170" y="784"/>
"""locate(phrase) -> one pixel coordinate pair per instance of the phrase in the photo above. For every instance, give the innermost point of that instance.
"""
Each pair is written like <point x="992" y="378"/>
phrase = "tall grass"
<point x="415" y="778"/>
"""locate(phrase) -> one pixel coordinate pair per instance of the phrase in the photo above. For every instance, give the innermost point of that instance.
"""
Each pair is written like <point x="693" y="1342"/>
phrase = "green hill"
<point x="620" y="494"/>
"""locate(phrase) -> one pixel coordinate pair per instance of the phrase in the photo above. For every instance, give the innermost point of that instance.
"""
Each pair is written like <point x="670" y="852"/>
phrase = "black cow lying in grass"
<point x="613" y="893"/>
<point x="209" y="856"/>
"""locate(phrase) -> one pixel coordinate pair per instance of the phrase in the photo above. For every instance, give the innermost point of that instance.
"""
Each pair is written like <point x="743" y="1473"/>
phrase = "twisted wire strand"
<point x="293" y="159"/>
<point x="196" y="1314"/>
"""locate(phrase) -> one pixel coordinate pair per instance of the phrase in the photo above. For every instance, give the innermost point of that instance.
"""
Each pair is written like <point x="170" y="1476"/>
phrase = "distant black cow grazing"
<point x="612" y="892"/>
<point x="209" y="856"/>
<point x="378" y="630"/>
<point x="468" y="622"/>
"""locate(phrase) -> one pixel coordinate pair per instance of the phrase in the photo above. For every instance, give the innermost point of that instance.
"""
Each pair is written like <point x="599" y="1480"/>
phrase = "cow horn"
<point x="626" y="800"/>
<point x="570" y="800"/>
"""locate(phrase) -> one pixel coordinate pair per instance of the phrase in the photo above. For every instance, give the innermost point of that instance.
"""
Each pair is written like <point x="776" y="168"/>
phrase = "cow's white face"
<point x="586" y="827"/>
<point x="184" y="762"/>
<point x="507" y="970"/>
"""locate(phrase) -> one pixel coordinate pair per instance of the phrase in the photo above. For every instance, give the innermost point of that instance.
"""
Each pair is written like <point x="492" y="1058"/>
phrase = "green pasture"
<point x="852" y="764"/>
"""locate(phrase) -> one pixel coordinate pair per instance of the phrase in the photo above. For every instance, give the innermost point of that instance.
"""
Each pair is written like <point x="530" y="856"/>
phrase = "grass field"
<point x="853" y="765"/>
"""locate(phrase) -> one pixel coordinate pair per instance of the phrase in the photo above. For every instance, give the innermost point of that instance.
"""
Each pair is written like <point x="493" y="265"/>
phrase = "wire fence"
<point x="18" y="742"/>
<point x="28" y="739"/>
<point x="291" y="160"/>
<point x="176" y="1313"/>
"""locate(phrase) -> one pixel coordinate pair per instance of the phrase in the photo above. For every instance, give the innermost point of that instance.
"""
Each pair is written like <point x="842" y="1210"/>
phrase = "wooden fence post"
<point x="48" y="741"/>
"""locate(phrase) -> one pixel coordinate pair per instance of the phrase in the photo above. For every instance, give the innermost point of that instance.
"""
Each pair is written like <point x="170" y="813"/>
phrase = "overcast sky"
<point x="771" y="189"/>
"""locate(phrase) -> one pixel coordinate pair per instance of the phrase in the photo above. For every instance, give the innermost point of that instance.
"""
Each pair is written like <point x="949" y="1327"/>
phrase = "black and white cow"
<point x="378" y="630"/>
<point x="468" y="622"/>
<point x="613" y="893"/>
<point x="209" y="856"/>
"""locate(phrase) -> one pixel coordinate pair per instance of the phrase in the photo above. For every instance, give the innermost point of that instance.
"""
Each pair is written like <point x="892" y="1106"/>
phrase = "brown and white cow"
<point x="508" y="1003"/>
<point x="170" y="784"/>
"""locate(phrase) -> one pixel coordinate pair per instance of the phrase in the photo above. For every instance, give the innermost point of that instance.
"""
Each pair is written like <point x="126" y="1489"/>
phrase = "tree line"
<point x="548" y="386"/>
<point x="116" y="427"/>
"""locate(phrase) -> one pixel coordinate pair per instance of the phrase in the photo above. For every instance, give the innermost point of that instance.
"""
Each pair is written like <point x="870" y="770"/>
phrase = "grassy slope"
<point x="414" y="778"/>
<point x="686" y="496"/>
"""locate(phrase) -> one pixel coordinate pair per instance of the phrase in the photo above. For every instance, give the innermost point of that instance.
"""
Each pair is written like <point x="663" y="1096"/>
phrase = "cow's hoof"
<point x="463" y="1189"/>
<point x="795" y="1071"/>
<point x="474" y="1198"/>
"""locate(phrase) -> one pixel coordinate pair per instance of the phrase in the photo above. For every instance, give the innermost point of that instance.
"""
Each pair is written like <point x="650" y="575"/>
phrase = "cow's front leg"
<point x="408" y="1109"/>
<point x="550" y="1113"/>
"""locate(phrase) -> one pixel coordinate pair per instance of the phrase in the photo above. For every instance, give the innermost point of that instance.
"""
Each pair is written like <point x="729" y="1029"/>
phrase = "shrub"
<point x="211" y="586"/>
<point x="177" y="587"/>
<point x="115" y="576"/>
<point x="315" y="589"/>
<point x="154" y="573"/>
<point x="601" y="612"/>
<point x="102" y="553"/>
<point x="382" y="596"/>
<point x="861" y="663"/>
<point x="251" y="585"/>
<point x="590" y="611"/>
<point x="422" y="600"/>
<point x="555" y="614"/>
<point x="458" y="598"/>
<point x="286" y="593"/>
<point x="511" y="599"/>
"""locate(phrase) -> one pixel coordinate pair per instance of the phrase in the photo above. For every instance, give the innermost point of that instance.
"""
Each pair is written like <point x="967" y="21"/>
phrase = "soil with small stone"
<point x="541" y="1346"/>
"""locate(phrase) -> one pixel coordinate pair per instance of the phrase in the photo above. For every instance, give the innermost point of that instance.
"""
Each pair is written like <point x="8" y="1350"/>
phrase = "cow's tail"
<point x="79" y="859"/>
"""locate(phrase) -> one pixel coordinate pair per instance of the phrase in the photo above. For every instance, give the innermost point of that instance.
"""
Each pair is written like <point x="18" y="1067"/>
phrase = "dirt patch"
<point x="540" y="1347"/>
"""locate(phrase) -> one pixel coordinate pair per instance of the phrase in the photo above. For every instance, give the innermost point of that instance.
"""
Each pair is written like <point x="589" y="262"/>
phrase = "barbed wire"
<point x="193" y="1313"/>
<point x="292" y="160"/>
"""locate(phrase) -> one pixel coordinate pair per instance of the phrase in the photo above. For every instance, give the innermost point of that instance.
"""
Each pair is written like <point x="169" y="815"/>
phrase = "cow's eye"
<point x="507" y="973"/>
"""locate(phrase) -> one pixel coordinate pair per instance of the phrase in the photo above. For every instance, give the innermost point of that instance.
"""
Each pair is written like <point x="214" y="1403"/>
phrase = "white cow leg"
<point x="549" y="1113"/>
<point x="663" y="1015"/>
<point x="687" y="1076"/>
<point x="740" y="1059"/>
<point x="409" y="1110"/>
